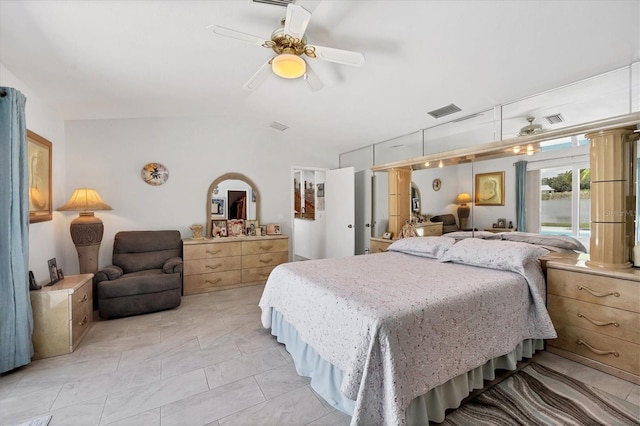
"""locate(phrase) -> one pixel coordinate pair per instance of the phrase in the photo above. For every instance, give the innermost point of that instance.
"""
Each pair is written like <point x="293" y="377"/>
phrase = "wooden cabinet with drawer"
<point x="62" y="315"/>
<point x="596" y="314"/>
<point x="379" y="245"/>
<point x="223" y="263"/>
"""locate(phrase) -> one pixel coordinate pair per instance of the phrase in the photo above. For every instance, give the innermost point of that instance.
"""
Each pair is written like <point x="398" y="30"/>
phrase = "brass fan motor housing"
<point x="284" y="43"/>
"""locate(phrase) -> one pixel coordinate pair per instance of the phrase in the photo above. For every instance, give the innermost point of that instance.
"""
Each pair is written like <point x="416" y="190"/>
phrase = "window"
<point x="565" y="201"/>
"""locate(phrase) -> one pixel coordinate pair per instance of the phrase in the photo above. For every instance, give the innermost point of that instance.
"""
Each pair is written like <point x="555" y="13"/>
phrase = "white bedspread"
<point x="399" y="325"/>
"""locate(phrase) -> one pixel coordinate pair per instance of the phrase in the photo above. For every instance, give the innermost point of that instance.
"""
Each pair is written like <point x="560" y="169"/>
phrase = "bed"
<point x="399" y="337"/>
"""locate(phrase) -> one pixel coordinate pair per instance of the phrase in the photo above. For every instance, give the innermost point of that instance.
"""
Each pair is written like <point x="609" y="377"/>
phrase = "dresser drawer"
<point x="267" y="259"/>
<point x="204" y="251"/>
<point x="201" y="283"/>
<point x="265" y="246"/>
<point x="256" y="275"/>
<point x="598" y="289"/>
<point x="81" y="311"/>
<point x="610" y="321"/>
<point x="213" y="264"/>
<point x="431" y="230"/>
<point x="575" y="339"/>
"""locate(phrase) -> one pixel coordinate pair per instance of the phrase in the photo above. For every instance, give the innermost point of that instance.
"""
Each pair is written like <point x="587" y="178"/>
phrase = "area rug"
<point x="537" y="395"/>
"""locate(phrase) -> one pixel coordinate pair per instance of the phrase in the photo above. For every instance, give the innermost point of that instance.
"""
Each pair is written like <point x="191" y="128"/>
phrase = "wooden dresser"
<point x="378" y="245"/>
<point x="596" y="314"/>
<point x="62" y="315"/>
<point x="223" y="263"/>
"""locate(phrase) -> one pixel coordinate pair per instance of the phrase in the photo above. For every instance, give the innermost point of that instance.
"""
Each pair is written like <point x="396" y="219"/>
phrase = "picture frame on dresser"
<point x="235" y="227"/>
<point x="53" y="271"/>
<point x="218" y="228"/>
<point x="274" y="229"/>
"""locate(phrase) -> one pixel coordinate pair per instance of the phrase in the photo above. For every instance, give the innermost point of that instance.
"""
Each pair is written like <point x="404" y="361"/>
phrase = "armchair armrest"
<point x="172" y="265"/>
<point x="108" y="273"/>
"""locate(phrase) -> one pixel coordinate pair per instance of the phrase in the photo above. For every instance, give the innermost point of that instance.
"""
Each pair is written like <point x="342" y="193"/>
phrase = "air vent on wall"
<point x="278" y="126"/>
<point x="555" y="118"/>
<point x="441" y="112"/>
<point x="282" y="3"/>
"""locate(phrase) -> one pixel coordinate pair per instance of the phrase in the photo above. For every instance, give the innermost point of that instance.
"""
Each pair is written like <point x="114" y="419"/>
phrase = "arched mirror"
<point x="416" y="200"/>
<point x="232" y="196"/>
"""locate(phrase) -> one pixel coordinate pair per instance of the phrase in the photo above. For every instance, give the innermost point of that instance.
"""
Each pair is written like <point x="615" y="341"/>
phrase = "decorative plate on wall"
<point x="437" y="184"/>
<point x="154" y="174"/>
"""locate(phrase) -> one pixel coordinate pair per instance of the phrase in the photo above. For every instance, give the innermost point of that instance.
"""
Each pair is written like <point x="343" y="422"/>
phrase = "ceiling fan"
<point x="289" y="44"/>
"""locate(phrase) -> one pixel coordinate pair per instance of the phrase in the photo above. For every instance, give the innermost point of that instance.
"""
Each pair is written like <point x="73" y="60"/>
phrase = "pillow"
<point x="494" y="254"/>
<point x="559" y="241"/>
<point x="432" y="247"/>
<point x="461" y="235"/>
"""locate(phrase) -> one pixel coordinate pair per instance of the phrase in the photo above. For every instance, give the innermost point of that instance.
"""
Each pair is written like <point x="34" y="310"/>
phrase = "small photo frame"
<point x="218" y="208"/>
<point x="502" y="223"/>
<point x="53" y="271"/>
<point x="274" y="229"/>
<point x="235" y="227"/>
<point x="218" y="228"/>
<point x="263" y="230"/>
<point x="320" y="193"/>
<point x="386" y="235"/>
<point x="251" y="226"/>
<point x="60" y="274"/>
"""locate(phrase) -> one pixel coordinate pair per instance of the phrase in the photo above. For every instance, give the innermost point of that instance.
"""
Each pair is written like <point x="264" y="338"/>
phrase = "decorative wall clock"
<point x="154" y="174"/>
<point x="437" y="184"/>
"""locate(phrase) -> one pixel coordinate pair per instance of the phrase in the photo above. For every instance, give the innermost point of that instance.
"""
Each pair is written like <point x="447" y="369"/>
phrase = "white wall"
<point x="109" y="154"/>
<point x="45" y="238"/>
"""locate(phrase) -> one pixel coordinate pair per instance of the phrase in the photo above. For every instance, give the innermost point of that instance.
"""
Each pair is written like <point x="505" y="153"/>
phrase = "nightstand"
<point x="62" y="315"/>
<point x="496" y="230"/>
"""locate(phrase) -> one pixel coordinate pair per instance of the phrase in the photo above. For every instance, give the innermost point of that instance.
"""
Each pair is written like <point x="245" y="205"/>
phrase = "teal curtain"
<point x="521" y="181"/>
<point x="16" y="318"/>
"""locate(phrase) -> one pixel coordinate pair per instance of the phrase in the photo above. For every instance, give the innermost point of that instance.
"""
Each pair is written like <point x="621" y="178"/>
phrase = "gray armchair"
<point x="146" y="275"/>
<point x="449" y="223"/>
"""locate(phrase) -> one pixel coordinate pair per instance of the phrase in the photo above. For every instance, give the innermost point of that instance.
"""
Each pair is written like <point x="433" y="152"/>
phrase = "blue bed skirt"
<point x="326" y="377"/>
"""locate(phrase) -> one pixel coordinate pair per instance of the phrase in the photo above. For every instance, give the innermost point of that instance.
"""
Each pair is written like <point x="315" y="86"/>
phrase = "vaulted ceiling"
<point x="126" y="59"/>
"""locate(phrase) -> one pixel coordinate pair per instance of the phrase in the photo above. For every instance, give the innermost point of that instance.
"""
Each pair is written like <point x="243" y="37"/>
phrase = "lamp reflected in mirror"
<point x="463" y="210"/>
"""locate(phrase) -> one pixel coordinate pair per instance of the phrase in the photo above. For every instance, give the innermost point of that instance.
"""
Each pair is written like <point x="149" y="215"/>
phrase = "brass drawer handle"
<point x="216" y="266"/>
<point x="598" y="323"/>
<point x="83" y="298"/>
<point x="266" y="247"/>
<point x="216" y="281"/>
<point x="83" y="322"/>
<point x="596" y="294"/>
<point x="266" y="260"/>
<point x="598" y="351"/>
<point x="213" y="251"/>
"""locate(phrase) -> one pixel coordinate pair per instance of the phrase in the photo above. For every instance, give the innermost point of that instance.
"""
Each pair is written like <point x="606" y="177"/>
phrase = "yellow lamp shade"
<point x="84" y="200"/>
<point x="463" y="198"/>
<point x="287" y="65"/>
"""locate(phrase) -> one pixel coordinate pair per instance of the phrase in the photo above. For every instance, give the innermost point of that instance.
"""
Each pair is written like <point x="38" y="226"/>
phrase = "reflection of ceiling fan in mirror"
<point x="289" y="44"/>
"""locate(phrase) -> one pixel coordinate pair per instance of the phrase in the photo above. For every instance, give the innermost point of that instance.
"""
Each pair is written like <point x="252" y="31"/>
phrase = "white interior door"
<point x="339" y="192"/>
<point x="363" y="210"/>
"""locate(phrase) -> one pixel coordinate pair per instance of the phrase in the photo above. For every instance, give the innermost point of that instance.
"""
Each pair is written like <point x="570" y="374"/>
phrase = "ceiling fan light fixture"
<point x="287" y="65"/>
<point x="531" y="129"/>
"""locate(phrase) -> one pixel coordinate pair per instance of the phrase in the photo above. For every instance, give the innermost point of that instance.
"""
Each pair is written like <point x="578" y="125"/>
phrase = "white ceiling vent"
<point x="441" y="112"/>
<point x="555" y="118"/>
<point x="282" y="3"/>
<point x="278" y="126"/>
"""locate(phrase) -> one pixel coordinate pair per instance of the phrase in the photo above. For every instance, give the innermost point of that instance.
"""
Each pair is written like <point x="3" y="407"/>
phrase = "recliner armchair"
<point x="146" y="275"/>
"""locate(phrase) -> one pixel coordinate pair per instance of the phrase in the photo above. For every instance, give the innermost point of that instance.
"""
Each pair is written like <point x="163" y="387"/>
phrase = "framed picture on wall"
<point x="489" y="189"/>
<point x="39" y="155"/>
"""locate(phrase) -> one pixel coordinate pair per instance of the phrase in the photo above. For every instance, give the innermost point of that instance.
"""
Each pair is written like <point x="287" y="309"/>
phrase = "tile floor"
<point x="208" y="362"/>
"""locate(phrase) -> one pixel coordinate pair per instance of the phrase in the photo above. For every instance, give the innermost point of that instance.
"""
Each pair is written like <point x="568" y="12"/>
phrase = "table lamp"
<point x="463" y="210"/>
<point x="86" y="229"/>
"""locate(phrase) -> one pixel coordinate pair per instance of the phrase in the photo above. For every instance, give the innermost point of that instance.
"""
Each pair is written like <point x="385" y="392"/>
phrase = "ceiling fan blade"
<point x="345" y="57"/>
<point x="228" y="32"/>
<point x="296" y="21"/>
<point x="259" y="77"/>
<point x="312" y="79"/>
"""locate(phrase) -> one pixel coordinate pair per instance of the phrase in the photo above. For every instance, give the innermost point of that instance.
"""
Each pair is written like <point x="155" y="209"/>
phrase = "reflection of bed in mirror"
<point x="406" y="334"/>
